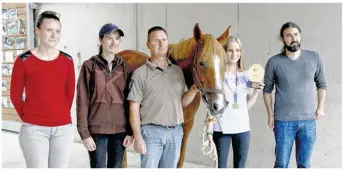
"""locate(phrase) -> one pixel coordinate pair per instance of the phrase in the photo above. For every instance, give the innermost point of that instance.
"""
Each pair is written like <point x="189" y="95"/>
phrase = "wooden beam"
<point x="9" y="117"/>
<point x="10" y="111"/>
<point x="13" y="5"/>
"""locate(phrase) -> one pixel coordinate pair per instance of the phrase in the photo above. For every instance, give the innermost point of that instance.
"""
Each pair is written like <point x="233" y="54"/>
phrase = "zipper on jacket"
<point x="110" y="71"/>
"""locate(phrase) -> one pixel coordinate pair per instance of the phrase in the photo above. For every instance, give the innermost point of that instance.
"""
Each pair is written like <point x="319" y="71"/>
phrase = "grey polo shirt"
<point x="159" y="92"/>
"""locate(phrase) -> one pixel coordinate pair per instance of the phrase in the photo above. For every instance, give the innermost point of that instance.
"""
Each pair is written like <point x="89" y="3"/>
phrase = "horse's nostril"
<point x="215" y="106"/>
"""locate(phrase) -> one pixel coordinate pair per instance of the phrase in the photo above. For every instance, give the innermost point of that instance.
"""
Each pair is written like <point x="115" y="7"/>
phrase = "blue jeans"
<point x="303" y="133"/>
<point x="110" y="147"/>
<point x="240" y="144"/>
<point x="163" y="146"/>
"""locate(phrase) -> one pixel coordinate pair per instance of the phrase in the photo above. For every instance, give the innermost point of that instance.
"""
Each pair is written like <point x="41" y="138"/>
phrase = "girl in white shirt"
<point x="233" y="125"/>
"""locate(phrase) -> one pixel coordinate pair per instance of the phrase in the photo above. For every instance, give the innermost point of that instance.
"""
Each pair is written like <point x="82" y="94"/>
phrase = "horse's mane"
<point x="183" y="49"/>
<point x="210" y="46"/>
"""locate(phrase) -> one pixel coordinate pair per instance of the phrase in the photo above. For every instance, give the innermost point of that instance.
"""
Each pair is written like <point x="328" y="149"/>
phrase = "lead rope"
<point x="209" y="144"/>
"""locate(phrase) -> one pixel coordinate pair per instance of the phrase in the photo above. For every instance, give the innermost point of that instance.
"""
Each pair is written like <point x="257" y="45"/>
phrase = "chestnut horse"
<point x="202" y="60"/>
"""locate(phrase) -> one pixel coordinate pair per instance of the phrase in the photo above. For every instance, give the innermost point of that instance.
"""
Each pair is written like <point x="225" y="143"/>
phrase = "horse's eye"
<point x="201" y="64"/>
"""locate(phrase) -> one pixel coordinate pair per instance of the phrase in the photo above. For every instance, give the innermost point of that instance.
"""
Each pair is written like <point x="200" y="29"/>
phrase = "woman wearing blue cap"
<point x="102" y="111"/>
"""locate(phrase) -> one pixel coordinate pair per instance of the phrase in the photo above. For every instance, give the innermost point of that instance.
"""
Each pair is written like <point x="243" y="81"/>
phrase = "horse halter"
<point x="200" y="85"/>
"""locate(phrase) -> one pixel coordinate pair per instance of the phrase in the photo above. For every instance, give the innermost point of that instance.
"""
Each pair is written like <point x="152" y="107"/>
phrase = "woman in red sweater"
<point x="48" y="77"/>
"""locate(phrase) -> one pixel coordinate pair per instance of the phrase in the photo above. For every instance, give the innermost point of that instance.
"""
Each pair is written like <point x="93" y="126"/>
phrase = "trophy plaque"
<point x="256" y="75"/>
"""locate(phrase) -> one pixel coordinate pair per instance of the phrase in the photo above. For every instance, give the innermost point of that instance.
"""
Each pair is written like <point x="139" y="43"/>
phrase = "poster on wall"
<point x="8" y="42"/>
<point x="21" y="27"/>
<point x="10" y="104"/>
<point x="20" y="43"/>
<point x="12" y="14"/>
<point x="4" y="85"/>
<point x="4" y="27"/>
<point x="7" y="69"/>
<point x="12" y="27"/>
<point x="4" y="13"/>
<point x="4" y="102"/>
<point x="4" y="69"/>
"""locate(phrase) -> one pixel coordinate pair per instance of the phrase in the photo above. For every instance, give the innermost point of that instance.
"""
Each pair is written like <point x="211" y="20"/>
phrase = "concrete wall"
<point x="256" y="24"/>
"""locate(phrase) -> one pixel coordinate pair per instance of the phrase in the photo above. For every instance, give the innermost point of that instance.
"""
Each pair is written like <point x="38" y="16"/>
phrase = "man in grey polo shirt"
<point x="158" y="92"/>
<point x="293" y="73"/>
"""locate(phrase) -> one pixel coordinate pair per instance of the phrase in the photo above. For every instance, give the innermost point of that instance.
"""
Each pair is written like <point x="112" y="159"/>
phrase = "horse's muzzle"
<point x="216" y="106"/>
<point x="216" y="109"/>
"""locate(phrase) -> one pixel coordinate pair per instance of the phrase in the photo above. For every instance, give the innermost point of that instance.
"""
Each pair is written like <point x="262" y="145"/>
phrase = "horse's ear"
<point x="224" y="36"/>
<point x="197" y="33"/>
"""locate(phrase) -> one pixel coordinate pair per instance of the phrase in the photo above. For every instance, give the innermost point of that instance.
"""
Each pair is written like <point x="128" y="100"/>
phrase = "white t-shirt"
<point x="236" y="120"/>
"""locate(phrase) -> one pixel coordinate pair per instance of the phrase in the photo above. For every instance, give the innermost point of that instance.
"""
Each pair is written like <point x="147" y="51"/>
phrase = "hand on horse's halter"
<point x="194" y="89"/>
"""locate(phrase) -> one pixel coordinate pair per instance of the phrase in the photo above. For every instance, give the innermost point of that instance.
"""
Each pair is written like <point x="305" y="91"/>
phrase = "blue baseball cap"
<point x="109" y="28"/>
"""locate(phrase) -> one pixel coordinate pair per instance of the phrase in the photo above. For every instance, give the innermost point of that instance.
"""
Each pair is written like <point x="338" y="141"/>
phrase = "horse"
<point x="202" y="59"/>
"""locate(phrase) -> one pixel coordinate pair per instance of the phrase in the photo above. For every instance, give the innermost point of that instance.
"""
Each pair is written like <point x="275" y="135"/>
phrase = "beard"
<point x="293" y="48"/>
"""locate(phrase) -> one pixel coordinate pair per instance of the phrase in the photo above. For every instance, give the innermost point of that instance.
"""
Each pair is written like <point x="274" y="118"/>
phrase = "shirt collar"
<point x="105" y="61"/>
<point x="154" y="66"/>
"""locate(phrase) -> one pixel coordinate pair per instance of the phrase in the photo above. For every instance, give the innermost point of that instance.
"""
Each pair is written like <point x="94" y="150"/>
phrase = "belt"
<point x="165" y="126"/>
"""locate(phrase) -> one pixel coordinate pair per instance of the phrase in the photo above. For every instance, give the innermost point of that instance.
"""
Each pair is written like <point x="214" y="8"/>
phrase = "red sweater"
<point x="49" y="88"/>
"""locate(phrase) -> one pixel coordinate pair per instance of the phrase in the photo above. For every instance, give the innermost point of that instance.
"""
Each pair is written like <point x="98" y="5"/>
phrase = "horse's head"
<point x="209" y="69"/>
<point x="206" y="60"/>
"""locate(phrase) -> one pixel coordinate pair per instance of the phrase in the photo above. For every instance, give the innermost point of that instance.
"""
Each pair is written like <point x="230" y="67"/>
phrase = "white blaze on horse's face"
<point x="218" y="84"/>
<point x="214" y="96"/>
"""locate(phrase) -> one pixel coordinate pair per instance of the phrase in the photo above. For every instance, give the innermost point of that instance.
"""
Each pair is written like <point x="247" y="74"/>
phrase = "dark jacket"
<point x="102" y="107"/>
